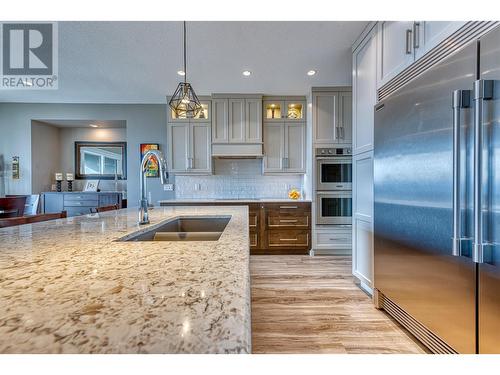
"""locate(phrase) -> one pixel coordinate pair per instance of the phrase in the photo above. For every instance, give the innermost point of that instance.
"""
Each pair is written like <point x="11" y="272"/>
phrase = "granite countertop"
<point x="243" y="200"/>
<point x="67" y="287"/>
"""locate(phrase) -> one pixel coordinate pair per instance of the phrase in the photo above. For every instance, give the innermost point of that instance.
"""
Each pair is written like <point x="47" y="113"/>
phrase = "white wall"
<point x="45" y="158"/>
<point x="68" y="137"/>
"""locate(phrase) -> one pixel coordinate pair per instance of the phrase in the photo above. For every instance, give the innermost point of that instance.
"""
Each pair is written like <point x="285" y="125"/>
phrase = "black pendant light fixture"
<point x="184" y="102"/>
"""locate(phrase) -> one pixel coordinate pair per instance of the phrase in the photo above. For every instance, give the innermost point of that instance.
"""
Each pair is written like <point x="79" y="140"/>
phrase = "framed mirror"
<point x="100" y="160"/>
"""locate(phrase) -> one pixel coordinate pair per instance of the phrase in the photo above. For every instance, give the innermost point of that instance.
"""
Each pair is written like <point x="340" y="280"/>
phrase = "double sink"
<point x="183" y="228"/>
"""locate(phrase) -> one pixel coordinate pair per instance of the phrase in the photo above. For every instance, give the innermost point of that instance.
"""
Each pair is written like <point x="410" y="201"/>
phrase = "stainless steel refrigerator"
<point x="437" y="201"/>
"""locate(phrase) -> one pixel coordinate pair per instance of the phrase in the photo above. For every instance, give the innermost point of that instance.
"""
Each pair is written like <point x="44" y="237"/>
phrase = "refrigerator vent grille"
<point x="463" y="36"/>
<point x="423" y="334"/>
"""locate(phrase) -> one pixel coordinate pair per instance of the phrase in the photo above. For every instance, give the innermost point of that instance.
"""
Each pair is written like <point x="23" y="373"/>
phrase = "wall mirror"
<point x="101" y="160"/>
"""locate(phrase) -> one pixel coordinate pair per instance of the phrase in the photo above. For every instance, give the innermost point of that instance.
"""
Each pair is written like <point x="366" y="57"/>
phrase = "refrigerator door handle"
<point x="461" y="99"/>
<point x="483" y="90"/>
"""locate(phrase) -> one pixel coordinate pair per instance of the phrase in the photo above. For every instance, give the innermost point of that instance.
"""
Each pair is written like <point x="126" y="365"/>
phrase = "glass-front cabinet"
<point x="280" y="110"/>
<point x="203" y="116"/>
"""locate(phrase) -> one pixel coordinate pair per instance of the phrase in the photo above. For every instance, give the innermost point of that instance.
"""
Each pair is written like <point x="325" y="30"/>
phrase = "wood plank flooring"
<point x="303" y="304"/>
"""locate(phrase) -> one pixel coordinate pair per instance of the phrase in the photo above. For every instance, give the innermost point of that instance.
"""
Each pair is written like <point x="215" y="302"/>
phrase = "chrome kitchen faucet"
<point x="162" y="165"/>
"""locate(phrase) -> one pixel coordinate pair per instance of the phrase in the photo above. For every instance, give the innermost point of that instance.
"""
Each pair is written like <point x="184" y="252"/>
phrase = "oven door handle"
<point x="336" y="159"/>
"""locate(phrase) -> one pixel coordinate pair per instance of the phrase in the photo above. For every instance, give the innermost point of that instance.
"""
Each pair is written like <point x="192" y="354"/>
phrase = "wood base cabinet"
<point x="274" y="228"/>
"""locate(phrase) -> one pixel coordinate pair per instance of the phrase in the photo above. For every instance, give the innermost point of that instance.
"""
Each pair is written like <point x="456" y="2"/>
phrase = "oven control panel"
<point x="333" y="151"/>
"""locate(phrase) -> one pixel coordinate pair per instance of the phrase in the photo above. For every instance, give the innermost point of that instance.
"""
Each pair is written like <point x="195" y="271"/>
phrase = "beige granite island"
<point x="67" y="286"/>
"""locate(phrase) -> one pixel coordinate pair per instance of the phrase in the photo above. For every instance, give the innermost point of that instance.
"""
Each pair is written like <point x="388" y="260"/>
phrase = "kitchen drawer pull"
<point x="408" y="49"/>
<point x="288" y="221"/>
<point x="288" y="239"/>
<point x="288" y="207"/>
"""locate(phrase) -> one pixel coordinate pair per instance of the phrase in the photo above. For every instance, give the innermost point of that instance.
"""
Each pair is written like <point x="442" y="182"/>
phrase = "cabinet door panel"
<point x="364" y="92"/>
<point x="236" y="120"/>
<point x="220" y="121"/>
<point x="363" y="185"/>
<point x="253" y="112"/>
<point x="178" y="137"/>
<point x="345" y="117"/>
<point x="431" y="33"/>
<point x="274" y="150"/>
<point x="325" y="121"/>
<point x="395" y="51"/>
<point x="200" y="148"/>
<point x="362" y="261"/>
<point x="295" y="136"/>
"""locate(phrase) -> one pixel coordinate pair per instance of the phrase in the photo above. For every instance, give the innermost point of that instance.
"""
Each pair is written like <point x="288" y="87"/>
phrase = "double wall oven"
<point x="333" y="186"/>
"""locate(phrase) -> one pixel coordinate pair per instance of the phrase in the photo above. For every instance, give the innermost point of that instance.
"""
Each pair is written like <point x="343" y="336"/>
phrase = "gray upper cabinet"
<point x="325" y="117"/>
<point x="274" y="147"/>
<point x="253" y="120"/>
<point x="295" y="147"/>
<point x="395" y="41"/>
<point x="189" y="148"/>
<point x="237" y="119"/>
<point x="429" y="34"/>
<point x="400" y="43"/>
<point x="220" y="127"/>
<point x="345" y="118"/>
<point x="332" y="116"/>
<point x="284" y="147"/>
<point x="178" y="147"/>
<point x="364" y="86"/>
<point x="201" y="154"/>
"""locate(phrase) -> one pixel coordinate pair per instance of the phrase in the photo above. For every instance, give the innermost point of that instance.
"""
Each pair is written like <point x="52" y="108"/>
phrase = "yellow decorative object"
<point x="294" y="194"/>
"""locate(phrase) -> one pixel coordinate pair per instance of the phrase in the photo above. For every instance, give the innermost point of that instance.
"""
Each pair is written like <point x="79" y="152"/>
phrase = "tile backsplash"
<point x="241" y="178"/>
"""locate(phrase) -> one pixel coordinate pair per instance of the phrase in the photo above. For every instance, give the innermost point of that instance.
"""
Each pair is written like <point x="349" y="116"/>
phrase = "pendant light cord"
<point x="185" y="71"/>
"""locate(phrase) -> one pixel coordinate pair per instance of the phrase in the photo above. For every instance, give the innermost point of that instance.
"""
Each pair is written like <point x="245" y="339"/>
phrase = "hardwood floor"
<point x="303" y="304"/>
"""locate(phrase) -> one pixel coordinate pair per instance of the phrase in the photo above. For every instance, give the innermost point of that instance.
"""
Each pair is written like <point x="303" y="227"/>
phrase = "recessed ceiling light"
<point x="181" y="72"/>
<point x="311" y="72"/>
<point x="93" y="125"/>
<point x="247" y="73"/>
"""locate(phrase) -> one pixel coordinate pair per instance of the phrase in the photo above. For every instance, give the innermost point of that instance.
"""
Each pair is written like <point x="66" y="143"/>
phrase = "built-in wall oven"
<point x="333" y="169"/>
<point x="333" y="186"/>
<point x="334" y="207"/>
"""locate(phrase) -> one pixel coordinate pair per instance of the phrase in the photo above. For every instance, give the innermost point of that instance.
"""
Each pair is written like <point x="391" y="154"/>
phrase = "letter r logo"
<point x="27" y="49"/>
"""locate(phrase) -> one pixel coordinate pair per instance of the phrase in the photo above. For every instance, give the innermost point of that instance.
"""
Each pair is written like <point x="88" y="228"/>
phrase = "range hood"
<point x="237" y="151"/>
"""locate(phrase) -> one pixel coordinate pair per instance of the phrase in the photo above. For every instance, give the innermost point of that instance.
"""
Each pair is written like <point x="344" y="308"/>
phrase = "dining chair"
<point x="12" y="206"/>
<point x="31" y="205"/>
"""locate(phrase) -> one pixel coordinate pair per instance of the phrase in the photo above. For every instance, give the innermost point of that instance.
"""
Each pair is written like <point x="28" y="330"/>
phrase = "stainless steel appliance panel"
<point x="413" y="176"/>
<point x="489" y="271"/>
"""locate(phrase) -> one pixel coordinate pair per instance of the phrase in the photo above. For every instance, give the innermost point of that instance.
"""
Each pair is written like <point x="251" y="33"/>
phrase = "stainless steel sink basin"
<point x="183" y="228"/>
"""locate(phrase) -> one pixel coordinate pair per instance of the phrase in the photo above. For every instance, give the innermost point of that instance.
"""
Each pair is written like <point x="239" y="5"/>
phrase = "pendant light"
<point x="184" y="102"/>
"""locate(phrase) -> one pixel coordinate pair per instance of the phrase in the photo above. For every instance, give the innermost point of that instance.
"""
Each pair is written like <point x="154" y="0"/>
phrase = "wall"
<point x="68" y="137"/>
<point x="45" y="161"/>
<point x="146" y="123"/>
<point x="236" y="178"/>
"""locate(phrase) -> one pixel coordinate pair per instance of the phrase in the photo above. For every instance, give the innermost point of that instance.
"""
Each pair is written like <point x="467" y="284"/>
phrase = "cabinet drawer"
<point x="77" y="211"/>
<point x="78" y="197"/>
<point x="282" y="221"/>
<point x="325" y="238"/>
<point x="288" y="238"/>
<point x="81" y="203"/>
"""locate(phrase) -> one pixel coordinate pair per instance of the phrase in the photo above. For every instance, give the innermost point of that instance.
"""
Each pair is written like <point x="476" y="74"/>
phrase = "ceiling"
<point x="137" y="62"/>
<point x="102" y="124"/>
